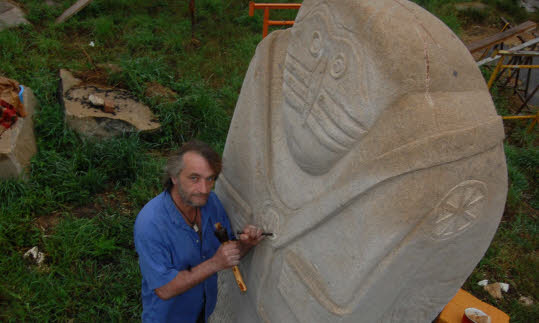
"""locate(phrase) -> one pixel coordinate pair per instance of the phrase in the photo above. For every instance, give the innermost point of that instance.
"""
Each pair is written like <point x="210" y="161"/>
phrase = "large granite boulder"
<point x="11" y="15"/>
<point x="82" y="116"/>
<point x="18" y="143"/>
<point x="366" y="139"/>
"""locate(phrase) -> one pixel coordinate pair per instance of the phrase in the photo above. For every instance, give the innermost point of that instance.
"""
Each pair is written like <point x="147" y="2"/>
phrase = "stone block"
<point x="11" y="15"/>
<point x="18" y="143"/>
<point x="129" y="115"/>
<point x="366" y="139"/>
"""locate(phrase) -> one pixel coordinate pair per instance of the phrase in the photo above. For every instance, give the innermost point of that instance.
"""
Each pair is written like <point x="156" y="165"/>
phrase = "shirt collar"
<point x="175" y="215"/>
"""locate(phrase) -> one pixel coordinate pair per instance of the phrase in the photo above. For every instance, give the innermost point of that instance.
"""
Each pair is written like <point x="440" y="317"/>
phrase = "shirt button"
<point x="197" y="241"/>
<point x="203" y="257"/>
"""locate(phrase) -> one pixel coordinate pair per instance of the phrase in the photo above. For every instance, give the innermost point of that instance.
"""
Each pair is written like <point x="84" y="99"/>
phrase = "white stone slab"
<point x="366" y="139"/>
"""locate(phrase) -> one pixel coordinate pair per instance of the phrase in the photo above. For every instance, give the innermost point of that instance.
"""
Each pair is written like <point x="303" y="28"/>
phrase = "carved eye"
<point x="338" y="66"/>
<point x="316" y="43"/>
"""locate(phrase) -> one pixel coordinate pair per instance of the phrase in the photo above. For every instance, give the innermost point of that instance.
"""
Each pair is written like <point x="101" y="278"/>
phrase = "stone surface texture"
<point x="366" y="139"/>
<point x="18" y="143"/>
<point x="129" y="115"/>
<point x="11" y="15"/>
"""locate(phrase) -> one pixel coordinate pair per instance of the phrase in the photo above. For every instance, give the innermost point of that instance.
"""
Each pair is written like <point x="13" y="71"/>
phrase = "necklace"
<point x="192" y="223"/>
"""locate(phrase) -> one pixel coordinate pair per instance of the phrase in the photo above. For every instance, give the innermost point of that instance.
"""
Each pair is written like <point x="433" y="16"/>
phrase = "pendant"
<point x="195" y="227"/>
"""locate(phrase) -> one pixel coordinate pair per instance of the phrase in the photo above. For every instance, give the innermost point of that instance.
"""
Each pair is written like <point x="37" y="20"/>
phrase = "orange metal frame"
<point x="266" y="7"/>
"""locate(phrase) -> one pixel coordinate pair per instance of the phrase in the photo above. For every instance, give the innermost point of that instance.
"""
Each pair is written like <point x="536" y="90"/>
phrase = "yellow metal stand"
<point x="501" y="68"/>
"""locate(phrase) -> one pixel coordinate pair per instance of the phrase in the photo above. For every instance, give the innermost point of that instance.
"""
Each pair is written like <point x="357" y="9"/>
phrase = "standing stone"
<point x="10" y="15"/>
<point x="366" y="139"/>
<point x="129" y="115"/>
<point x="18" y="143"/>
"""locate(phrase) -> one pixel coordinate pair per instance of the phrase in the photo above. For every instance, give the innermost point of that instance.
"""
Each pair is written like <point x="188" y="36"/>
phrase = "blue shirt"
<point x="166" y="244"/>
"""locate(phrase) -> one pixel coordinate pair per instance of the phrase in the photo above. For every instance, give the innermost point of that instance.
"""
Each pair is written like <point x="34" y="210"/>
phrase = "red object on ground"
<point x="8" y="116"/>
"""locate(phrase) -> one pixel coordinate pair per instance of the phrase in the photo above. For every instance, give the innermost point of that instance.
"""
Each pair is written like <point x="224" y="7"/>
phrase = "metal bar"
<point x="280" y="22"/>
<point x="267" y="6"/>
<point x="519" y="47"/>
<point x="276" y="5"/>
<point x="515" y="61"/>
<point x="251" y="8"/>
<point x="517" y="77"/>
<point x="496" y="70"/>
<point x="534" y="122"/>
<point x="265" y="24"/>
<point x="525" y="103"/>
<point x="520" y="66"/>
<point x="527" y="87"/>
<point x="518" y="53"/>
<point x="519" y="117"/>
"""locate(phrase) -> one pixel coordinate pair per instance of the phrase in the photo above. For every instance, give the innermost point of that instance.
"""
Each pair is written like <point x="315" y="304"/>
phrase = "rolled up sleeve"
<point x="155" y="260"/>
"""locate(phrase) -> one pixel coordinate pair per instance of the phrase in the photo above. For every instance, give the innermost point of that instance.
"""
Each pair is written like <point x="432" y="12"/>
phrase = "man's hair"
<point x="175" y="163"/>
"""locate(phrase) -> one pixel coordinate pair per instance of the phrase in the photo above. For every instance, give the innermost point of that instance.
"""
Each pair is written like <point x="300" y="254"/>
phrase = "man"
<point x="179" y="254"/>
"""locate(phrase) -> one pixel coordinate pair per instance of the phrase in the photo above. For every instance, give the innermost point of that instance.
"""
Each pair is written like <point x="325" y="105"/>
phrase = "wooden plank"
<point x="519" y="47"/>
<point x="500" y="37"/>
<point x="78" y="6"/>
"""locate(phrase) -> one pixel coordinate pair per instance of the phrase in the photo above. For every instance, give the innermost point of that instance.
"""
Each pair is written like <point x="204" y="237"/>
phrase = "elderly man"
<point x="179" y="254"/>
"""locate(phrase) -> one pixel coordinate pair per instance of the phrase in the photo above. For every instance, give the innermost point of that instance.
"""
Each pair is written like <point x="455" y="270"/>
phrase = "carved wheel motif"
<point x="459" y="209"/>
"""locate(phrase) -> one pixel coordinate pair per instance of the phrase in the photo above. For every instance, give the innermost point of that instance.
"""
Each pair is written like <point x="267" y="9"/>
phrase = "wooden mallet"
<point x="222" y="235"/>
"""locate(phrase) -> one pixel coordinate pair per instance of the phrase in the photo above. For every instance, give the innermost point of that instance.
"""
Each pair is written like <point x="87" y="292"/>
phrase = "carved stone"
<point x="366" y="139"/>
<point x="129" y="114"/>
<point x="18" y="143"/>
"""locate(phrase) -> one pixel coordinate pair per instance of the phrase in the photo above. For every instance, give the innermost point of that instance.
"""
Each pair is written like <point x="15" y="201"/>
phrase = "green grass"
<point x="91" y="191"/>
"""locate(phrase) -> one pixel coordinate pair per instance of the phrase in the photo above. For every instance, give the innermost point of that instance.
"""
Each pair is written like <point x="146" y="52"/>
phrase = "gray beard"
<point x="185" y="199"/>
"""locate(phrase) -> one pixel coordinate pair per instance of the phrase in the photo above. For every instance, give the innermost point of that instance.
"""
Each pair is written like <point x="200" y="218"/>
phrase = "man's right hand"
<point x="227" y="256"/>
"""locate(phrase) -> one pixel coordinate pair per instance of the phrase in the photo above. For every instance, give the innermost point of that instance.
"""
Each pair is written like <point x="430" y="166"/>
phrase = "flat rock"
<point x="495" y="290"/>
<point x="18" y="143"/>
<point x="11" y="15"/>
<point x="85" y="118"/>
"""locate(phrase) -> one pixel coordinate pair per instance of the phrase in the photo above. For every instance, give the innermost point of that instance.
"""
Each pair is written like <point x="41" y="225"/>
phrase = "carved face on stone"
<point x="325" y="108"/>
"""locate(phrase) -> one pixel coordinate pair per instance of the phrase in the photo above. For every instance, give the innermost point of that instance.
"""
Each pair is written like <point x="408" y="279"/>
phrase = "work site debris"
<point x="477" y="316"/>
<point x="11" y="92"/>
<point x="526" y="301"/>
<point x="483" y="282"/>
<point x="121" y="112"/>
<point x="11" y="106"/>
<point x="495" y="290"/>
<point x="78" y="6"/>
<point x="11" y="15"/>
<point x="530" y="5"/>
<point x="18" y="144"/>
<point x="35" y="256"/>
<point x="95" y="100"/>
<point x="504" y="287"/>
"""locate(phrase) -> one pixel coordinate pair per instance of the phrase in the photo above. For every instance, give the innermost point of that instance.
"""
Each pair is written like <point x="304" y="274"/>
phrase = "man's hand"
<point x="249" y="237"/>
<point x="227" y="256"/>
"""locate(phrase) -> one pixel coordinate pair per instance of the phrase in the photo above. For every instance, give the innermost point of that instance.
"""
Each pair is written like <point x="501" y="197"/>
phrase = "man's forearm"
<point x="187" y="279"/>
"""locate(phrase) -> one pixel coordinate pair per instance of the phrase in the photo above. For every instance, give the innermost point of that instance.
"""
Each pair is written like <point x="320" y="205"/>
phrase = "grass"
<point x="81" y="197"/>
